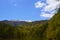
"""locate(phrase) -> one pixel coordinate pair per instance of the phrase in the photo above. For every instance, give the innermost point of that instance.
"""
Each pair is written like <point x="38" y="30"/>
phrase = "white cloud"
<point x="43" y="14"/>
<point x="51" y="7"/>
<point x="39" y="4"/>
<point x="28" y="20"/>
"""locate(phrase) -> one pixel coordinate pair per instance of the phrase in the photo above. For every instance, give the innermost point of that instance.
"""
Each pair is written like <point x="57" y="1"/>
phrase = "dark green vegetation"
<point x="38" y="30"/>
<point x="53" y="30"/>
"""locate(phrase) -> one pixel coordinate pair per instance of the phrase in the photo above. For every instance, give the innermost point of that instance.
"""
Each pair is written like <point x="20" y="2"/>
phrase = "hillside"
<point x="37" y="30"/>
<point x="53" y="30"/>
<point x="27" y="31"/>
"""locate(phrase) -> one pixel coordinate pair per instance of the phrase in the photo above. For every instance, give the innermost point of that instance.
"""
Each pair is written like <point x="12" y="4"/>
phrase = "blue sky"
<point x="21" y="10"/>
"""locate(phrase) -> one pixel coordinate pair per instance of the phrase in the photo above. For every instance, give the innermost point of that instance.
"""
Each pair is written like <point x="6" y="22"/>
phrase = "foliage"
<point x="27" y="31"/>
<point x="53" y="27"/>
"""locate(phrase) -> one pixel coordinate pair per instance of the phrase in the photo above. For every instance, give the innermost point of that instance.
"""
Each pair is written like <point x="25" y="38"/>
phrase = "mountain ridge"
<point x="15" y="23"/>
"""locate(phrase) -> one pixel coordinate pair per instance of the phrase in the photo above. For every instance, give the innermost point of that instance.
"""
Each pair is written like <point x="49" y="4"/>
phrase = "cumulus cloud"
<point x="28" y="20"/>
<point x="50" y="6"/>
<point x="43" y="14"/>
<point x="39" y="4"/>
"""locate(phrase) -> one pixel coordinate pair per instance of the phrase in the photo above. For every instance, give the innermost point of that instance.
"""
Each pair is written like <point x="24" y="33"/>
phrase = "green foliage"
<point x="27" y="31"/>
<point x="53" y="31"/>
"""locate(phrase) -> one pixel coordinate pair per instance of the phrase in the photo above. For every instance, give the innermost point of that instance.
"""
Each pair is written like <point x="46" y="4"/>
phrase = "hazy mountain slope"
<point x="16" y="23"/>
<point x="13" y="23"/>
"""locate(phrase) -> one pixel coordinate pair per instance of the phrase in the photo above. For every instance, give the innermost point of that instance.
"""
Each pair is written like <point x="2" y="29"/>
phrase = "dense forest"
<point x="37" y="30"/>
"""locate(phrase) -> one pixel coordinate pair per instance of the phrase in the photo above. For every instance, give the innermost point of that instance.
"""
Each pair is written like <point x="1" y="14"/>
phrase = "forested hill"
<point x="37" y="30"/>
<point x="26" y="31"/>
<point x="53" y="30"/>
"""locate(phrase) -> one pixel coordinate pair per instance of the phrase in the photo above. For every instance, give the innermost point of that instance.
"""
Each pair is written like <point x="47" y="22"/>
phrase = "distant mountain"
<point x="13" y="23"/>
<point x="16" y="23"/>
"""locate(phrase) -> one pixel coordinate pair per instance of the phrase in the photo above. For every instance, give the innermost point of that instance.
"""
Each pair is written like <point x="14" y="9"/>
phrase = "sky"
<point x="31" y="10"/>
